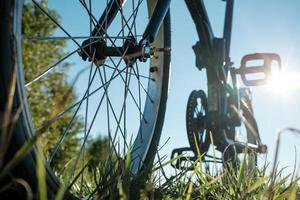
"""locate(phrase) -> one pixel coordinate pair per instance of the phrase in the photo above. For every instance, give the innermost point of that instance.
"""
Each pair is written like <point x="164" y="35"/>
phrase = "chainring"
<point x="196" y="122"/>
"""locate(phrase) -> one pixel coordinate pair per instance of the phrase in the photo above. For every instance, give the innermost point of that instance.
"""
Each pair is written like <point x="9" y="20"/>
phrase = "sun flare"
<point x="284" y="82"/>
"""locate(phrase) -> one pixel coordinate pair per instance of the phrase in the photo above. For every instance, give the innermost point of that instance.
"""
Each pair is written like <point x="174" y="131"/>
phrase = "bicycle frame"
<point x="209" y="43"/>
<point x="217" y="60"/>
<point x="212" y="53"/>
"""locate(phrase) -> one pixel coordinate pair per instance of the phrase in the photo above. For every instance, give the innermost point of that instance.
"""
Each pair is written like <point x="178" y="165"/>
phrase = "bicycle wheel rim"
<point x="143" y="156"/>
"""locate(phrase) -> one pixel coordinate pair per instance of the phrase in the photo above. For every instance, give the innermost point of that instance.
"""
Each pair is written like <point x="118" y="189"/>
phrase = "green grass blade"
<point x="257" y="184"/>
<point x="41" y="175"/>
<point x="21" y="153"/>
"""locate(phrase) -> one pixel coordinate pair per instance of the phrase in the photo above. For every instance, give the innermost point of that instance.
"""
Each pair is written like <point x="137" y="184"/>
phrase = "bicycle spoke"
<point x="139" y="108"/>
<point x="69" y="126"/>
<point x="89" y="130"/>
<point x="57" y="146"/>
<point x="57" y="24"/>
<point x="95" y="21"/>
<point x="122" y="19"/>
<point x="80" y="173"/>
<point x="140" y="100"/>
<point x="126" y="88"/>
<point x="134" y="14"/>
<point x="134" y="25"/>
<point x="84" y="141"/>
<point x="86" y="120"/>
<point x="41" y="129"/>
<point x="143" y="87"/>
<point x="126" y="21"/>
<point x="140" y="76"/>
<point x="100" y="26"/>
<point x="112" y="109"/>
<point x="111" y="142"/>
<point x="52" y="66"/>
<point x="74" y="37"/>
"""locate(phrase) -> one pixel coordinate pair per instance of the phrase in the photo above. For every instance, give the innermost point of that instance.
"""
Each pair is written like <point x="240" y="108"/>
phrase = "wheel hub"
<point x="97" y="50"/>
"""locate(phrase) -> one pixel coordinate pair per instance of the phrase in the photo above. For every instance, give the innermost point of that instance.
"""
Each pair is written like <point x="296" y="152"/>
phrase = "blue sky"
<point x="258" y="26"/>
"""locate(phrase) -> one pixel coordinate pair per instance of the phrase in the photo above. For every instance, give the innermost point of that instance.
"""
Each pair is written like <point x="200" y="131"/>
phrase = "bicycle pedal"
<point x="262" y="148"/>
<point x="181" y="161"/>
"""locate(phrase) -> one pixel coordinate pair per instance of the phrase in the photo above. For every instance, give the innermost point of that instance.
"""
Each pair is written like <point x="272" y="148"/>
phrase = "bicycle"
<point x="211" y="119"/>
<point x="137" y="42"/>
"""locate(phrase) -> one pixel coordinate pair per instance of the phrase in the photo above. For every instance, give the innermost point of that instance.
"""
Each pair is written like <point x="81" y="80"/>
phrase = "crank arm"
<point x="240" y="146"/>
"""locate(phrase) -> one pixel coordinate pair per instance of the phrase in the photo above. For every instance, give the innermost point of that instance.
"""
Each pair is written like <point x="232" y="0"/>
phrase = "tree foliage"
<point x="52" y="93"/>
<point x="98" y="150"/>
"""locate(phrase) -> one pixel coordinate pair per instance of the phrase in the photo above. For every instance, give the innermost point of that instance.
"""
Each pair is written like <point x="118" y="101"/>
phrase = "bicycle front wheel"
<point x="71" y="102"/>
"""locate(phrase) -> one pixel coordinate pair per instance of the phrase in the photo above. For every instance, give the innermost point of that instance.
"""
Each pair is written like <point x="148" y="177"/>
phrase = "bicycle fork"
<point x="132" y="49"/>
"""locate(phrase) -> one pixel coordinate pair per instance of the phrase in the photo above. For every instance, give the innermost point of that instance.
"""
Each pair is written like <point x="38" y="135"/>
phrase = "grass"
<point x="116" y="183"/>
<point x="229" y="184"/>
<point x="112" y="179"/>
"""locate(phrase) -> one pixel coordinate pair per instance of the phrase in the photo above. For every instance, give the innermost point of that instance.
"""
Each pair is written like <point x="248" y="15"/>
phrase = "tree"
<point x="98" y="150"/>
<point x="51" y="93"/>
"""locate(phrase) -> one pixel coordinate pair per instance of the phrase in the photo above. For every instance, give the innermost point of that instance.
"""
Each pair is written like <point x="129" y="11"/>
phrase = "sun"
<point x="284" y="82"/>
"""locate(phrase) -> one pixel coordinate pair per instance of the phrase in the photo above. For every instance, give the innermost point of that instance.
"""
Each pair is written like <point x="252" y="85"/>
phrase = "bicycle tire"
<point x="250" y="134"/>
<point x="252" y="131"/>
<point x="11" y="64"/>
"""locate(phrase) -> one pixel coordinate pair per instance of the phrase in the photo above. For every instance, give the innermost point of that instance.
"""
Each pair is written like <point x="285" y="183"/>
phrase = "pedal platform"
<point x="263" y="148"/>
<point x="256" y="69"/>
<point x="259" y="148"/>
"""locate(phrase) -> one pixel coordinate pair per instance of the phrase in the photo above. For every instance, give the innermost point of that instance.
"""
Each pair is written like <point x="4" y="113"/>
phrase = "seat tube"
<point x="213" y="93"/>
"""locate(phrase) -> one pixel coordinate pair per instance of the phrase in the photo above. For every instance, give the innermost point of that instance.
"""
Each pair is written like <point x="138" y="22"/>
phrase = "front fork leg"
<point x="109" y="14"/>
